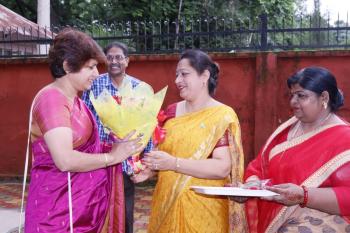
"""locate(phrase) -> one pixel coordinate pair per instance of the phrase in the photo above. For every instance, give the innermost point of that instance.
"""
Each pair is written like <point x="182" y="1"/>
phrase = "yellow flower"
<point x="138" y="110"/>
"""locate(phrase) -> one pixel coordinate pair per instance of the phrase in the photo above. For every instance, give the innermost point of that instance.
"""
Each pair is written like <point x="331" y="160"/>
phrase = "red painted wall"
<point x="254" y="84"/>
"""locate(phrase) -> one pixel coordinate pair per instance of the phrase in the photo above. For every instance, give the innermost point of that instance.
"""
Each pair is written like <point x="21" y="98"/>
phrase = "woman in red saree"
<point x="307" y="159"/>
<point x="69" y="188"/>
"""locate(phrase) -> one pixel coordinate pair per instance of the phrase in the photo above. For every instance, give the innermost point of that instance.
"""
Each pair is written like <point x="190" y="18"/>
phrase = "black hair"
<point x="201" y="61"/>
<point x="318" y="80"/>
<point x="119" y="45"/>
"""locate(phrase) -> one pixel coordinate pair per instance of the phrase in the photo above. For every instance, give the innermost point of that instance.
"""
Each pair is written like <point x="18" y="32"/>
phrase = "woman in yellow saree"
<point x="202" y="147"/>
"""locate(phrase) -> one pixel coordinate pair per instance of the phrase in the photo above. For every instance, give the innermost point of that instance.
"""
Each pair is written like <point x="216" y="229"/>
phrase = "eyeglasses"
<point x="116" y="57"/>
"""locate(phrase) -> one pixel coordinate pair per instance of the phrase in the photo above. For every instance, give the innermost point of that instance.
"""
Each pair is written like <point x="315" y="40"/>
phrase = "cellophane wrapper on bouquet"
<point x="133" y="109"/>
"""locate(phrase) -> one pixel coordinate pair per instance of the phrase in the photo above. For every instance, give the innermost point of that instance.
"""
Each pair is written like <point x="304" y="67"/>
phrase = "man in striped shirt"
<point x="115" y="79"/>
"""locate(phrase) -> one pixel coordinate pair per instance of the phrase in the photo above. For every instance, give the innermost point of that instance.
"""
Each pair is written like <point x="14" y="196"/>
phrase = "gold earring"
<point x="325" y="105"/>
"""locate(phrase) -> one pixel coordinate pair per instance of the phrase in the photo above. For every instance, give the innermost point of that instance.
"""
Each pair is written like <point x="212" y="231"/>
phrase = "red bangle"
<point x="306" y="197"/>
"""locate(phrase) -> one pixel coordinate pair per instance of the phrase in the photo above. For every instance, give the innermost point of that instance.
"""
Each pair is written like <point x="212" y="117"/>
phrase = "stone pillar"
<point x="44" y="22"/>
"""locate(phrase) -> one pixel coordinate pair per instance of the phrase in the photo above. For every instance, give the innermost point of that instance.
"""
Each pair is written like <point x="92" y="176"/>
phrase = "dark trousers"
<point x="129" y="193"/>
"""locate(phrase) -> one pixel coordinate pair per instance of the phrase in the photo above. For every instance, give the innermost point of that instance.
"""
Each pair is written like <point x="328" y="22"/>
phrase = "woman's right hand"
<point x="125" y="148"/>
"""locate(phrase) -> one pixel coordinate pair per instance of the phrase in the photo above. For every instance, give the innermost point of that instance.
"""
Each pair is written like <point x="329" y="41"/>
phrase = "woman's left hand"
<point x="290" y="194"/>
<point x="159" y="160"/>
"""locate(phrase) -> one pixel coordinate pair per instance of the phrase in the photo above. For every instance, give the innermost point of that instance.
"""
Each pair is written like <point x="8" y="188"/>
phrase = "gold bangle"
<point x="106" y="159"/>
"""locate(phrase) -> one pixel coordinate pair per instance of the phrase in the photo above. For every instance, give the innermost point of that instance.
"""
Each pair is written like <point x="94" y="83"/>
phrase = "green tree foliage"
<point x="143" y="18"/>
<point x="272" y="8"/>
<point x="26" y="8"/>
<point x="86" y="11"/>
<point x="151" y="25"/>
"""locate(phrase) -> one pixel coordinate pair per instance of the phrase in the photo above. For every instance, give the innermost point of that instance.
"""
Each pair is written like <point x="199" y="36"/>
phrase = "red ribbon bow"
<point x="118" y="99"/>
<point x="159" y="133"/>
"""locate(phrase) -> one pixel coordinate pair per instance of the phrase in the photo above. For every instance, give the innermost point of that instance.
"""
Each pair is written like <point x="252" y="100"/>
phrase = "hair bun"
<point x="214" y="71"/>
<point x="214" y="75"/>
<point x="339" y="101"/>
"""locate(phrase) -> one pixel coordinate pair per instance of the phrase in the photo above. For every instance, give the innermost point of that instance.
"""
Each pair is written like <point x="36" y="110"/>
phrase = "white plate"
<point x="232" y="191"/>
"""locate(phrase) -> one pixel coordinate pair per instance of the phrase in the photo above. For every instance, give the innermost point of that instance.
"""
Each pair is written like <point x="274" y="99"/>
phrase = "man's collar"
<point x="108" y="80"/>
<point x="126" y="79"/>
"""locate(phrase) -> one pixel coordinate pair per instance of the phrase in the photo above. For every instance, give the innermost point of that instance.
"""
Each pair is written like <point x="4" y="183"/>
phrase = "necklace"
<point x="299" y="126"/>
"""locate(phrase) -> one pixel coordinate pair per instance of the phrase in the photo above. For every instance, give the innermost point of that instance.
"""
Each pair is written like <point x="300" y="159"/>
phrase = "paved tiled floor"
<point x="142" y="207"/>
<point x="10" y="199"/>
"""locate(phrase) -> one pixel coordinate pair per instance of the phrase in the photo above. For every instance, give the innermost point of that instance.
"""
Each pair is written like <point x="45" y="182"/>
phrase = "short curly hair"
<point x="74" y="47"/>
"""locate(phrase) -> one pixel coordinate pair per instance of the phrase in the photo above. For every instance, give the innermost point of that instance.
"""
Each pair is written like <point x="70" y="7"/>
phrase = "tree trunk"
<point x="177" y="29"/>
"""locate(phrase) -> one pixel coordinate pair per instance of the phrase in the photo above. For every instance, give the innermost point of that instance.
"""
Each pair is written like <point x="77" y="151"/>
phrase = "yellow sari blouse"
<point x="175" y="207"/>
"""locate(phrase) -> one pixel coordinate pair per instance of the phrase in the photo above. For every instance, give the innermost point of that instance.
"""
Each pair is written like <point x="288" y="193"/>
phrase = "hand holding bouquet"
<point x="133" y="109"/>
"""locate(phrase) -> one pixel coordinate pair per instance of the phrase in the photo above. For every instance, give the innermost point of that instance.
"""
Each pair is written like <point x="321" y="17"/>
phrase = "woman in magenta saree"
<point x="70" y="183"/>
<point x="47" y="208"/>
<point x="307" y="159"/>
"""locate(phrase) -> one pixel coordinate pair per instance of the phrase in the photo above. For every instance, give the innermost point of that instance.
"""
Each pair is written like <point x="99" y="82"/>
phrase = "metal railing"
<point x="211" y="34"/>
<point x="24" y="42"/>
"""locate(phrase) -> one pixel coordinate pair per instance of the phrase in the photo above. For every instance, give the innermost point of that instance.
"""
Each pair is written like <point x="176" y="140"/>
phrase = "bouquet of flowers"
<point x="133" y="109"/>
